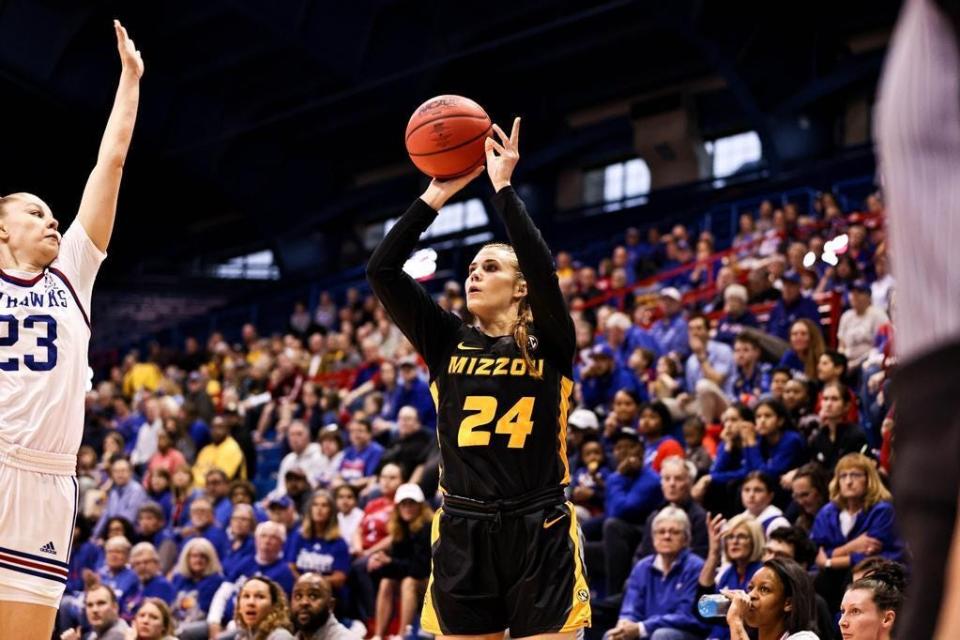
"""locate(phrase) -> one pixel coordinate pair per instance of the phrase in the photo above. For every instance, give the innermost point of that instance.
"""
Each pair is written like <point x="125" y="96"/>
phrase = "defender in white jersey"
<point x="45" y="287"/>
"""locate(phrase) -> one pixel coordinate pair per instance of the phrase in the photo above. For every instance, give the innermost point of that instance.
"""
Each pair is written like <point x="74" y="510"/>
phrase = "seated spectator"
<point x="152" y="621"/>
<point x="736" y="315"/>
<point x="808" y="485"/>
<point x="244" y="492"/>
<point x="311" y="607"/>
<point x="739" y="544"/>
<point x="778" y="602"/>
<point x="405" y="566"/>
<point x="372" y="535"/>
<point x="654" y="426"/>
<point x="857" y="523"/>
<point x="411" y="446"/>
<point x="806" y="347"/>
<point x="624" y="413"/>
<point x="316" y="546"/>
<point x="709" y="359"/>
<point x="217" y="489"/>
<point x="361" y="459"/>
<point x="756" y="494"/>
<point x="669" y="379"/>
<point x="730" y="465"/>
<point x="183" y="494"/>
<point x="159" y="491"/>
<point x="125" y="497"/>
<point x="268" y="560"/>
<point x="676" y="483"/>
<point x="662" y="587"/>
<point x="792" y="306"/>
<point x="84" y="557"/>
<point x="304" y="455"/>
<point x="167" y="457"/>
<point x="779" y="448"/>
<point x="582" y="425"/>
<point x="240" y="545"/>
<point x="751" y="378"/>
<point x="588" y="482"/>
<point x="602" y="378"/>
<point x="120" y="527"/>
<point x="103" y="616"/>
<point x="331" y="447"/>
<point x="296" y="489"/>
<point x="284" y="512"/>
<point x="115" y="572"/>
<point x="670" y="331"/>
<point x="196" y="578"/>
<point x="222" y="453"/>
<point x="779" y="377"/>
<point x="412" y="391"/>
<point x="633" y="491"/>
<point x="203" y="525"/>
<point x="146" y="564"/>
<point x="696" y="445"/>
<point x="836" y="437"/>
<point x="871" y="603"/>
<point x="349" y="514"/>
<point x="262" y="611"/>
<point x="792" y="543"/>
<point x="833" y="368"/>
<point x="796" y="399"/>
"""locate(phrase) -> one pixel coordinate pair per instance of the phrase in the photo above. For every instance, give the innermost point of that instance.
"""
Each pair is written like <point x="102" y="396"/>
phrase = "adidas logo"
<point x="48" y="548"/>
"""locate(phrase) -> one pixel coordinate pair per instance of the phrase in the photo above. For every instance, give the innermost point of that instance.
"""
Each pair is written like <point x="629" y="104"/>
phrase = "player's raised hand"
<point x="502" y="156"/>
<point x="440" y="191"/>
<point x="129" y="56"/>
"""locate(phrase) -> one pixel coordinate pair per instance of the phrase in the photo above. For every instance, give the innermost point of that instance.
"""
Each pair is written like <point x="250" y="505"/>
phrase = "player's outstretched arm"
<point x="411" y="308"/>
<point x="98" y="206"/>
<point x="550" y="312"/>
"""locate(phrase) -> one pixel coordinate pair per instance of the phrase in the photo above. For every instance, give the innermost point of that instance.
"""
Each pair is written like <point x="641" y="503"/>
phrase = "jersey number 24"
<point x="516" y="422"/>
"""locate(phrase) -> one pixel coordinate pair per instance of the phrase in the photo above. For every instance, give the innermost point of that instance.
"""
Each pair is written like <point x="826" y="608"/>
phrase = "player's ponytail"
<point x="524" y="318"/>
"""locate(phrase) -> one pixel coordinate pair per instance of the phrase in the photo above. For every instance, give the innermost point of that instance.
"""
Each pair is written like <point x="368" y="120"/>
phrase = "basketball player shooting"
<point x="506" y="546"/>
<point x="46" y="282"/>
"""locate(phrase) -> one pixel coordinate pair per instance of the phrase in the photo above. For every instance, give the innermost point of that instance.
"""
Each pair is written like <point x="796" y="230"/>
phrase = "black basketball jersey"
<point x="502" y="431"/>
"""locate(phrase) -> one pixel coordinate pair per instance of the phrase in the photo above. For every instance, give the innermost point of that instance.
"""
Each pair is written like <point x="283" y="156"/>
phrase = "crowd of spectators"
<point x="731" y="431"/>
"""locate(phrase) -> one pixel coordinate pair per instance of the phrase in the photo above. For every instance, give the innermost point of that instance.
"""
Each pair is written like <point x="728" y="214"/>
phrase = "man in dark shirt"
<point x="412" y="445"/>
<point x="791" y="307"/>
<point x="676" y="484"/>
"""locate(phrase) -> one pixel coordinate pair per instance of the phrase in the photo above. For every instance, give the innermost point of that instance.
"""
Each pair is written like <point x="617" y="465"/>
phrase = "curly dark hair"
<point x="276" y="618"/>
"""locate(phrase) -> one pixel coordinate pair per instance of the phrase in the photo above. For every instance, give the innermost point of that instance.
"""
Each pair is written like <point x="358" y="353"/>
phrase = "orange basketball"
<point x="445" y="136"/>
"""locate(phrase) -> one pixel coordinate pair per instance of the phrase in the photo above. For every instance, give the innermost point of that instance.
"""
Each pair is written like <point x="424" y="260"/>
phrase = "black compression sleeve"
<point x="550" y="314"/>
<point x="408" y="304"/>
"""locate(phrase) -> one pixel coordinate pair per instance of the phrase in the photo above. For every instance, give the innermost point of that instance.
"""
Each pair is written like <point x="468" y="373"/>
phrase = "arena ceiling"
<point x="263" y="123"/>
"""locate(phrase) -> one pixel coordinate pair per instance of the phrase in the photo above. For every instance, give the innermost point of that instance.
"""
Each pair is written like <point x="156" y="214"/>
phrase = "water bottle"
<point x="713" y="605"/>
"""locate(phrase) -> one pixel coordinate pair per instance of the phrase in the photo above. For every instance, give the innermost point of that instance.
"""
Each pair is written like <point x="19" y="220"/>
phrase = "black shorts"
<point x="517" y="567"/>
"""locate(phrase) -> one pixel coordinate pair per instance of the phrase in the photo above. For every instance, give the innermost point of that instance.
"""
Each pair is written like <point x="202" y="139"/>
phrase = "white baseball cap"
<point x="584" y="419"/>
<point x="409" y="491"/>
<point x="671" y="292"/>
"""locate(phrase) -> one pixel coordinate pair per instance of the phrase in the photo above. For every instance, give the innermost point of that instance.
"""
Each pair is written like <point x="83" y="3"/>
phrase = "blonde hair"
<point x="206" y="548"/>
<point x="876" y="492"/>
<point x="278" y="617"/>
<point x="524" y="313"/>
<point x="755" y="531"/>
<point x="331" y="531"/>
<point x="396" y="525"/>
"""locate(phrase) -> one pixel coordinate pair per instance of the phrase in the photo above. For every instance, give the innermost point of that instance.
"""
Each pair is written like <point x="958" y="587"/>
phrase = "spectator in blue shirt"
<point x="268" y="560"/>
<point x="791" y="307"/>
<point x="708" y="359"/>
<point x="152" y="528"/>
<point x="203" y="525"/>
<point x="623" y="337"/>
<point x="857" y="523"/>
<point x="125" y="497"/>
<point x="661" y="590"/>
<point x="752" y="377"/>
<point x="196" y="578"/>
<point x="115" y="573"/>
<point x="316" y="546"/>
<point x="84" y="556"/>
<point x="633" y="491"/>
<point x="740" y="544"/>
<point x="670" y="331"/>
<point x="413" y="391"/>
<point x="146" y="564"/>
<point x="736" y="316"/>
<point x="360" y="460"/>
<point x="603" y="377"/>
<point x="240" y="547"/>
<point x="806" y="347"/>
<point x="774" y="447"/>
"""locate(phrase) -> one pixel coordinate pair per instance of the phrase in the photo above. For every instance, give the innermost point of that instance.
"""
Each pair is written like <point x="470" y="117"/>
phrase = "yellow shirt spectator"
<point x="225" y="455"/>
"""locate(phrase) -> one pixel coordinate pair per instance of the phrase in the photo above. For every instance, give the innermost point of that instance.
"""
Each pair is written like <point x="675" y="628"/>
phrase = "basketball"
<point x="445" y="136"/>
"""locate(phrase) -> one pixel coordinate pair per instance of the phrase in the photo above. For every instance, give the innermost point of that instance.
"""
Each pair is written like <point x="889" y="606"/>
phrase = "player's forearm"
<point x="123" y="117"/>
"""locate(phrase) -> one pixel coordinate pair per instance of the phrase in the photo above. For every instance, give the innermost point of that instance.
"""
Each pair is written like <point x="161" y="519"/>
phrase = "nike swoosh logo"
<point x="467" y="347"/>
<point x="550" y="523"/>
